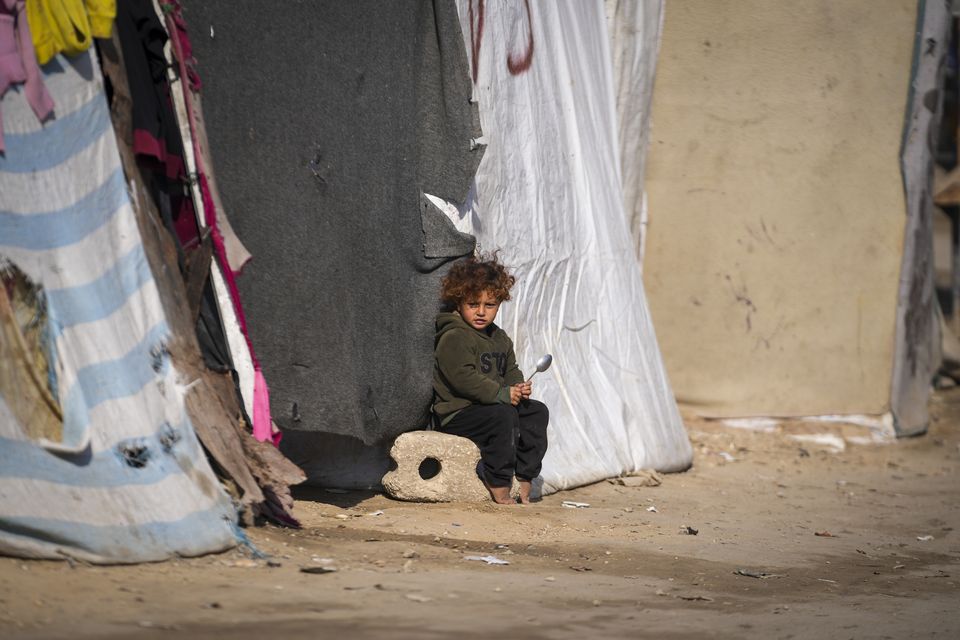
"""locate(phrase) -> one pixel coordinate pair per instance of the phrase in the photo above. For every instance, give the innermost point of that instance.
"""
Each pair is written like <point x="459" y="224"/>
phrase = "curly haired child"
<point x="479" y="392"/>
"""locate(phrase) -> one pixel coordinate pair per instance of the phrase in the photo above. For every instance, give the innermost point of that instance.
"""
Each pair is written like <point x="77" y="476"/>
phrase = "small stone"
<point x="410" y="553"/>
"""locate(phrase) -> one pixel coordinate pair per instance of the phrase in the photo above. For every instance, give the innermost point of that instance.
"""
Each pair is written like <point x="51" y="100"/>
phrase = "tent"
<point x="788" y="251"/>
<point x="108" y="411"/>
<point x="346" y="150"/>
<point x="125" y="479"/>
<point x="548" y="192"/>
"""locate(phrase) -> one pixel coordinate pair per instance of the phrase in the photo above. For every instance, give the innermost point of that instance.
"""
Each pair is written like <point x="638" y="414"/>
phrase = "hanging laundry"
<point x="155" y="131"/>
<point x="18" y="64"/>
<point x="68" y="26"/>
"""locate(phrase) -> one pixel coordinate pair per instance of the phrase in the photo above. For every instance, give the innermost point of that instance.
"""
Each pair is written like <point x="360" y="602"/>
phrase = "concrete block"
<point x="434" y="467"/>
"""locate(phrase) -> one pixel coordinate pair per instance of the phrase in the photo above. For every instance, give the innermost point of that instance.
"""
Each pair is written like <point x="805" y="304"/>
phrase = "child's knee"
<point x="537" y="409"/>
<point x="505" y="414"/>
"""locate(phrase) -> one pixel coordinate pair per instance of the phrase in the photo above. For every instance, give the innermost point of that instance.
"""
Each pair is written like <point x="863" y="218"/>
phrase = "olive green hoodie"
<point x="470" y="366"/>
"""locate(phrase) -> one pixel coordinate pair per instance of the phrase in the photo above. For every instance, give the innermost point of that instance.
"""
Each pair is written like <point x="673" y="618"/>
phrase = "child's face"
<point x="481" y="312"/>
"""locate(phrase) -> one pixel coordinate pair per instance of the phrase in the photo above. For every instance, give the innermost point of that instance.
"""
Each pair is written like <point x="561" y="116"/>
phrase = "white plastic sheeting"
<point x="549" y="195"/>
<point x="129" y="481"/>
<point x="635" y="27"/>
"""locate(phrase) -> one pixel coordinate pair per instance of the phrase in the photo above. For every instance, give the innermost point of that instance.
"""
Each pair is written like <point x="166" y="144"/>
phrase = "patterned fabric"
<point x="129" y="481"/>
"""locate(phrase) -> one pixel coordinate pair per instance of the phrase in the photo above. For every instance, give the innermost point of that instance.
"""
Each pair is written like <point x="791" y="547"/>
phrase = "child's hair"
<point x="470" y="277"/>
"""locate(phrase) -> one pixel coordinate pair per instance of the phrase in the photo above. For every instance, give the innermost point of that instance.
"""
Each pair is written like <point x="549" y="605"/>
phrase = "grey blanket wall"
<point x="328" y="120"/>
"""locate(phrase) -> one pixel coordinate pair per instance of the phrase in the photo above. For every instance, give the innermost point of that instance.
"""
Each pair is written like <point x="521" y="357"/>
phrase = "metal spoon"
<point x="542" y="365"/>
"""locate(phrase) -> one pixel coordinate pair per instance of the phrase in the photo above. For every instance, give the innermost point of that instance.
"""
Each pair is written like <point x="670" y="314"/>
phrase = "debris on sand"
<point x="318" y="570"/>
<point x="570" y="504"/>
<point x="487" y="559"/>
<point x="417" y="597"/>
<point x="639" y="478"/>
<point x="763" y="575"/>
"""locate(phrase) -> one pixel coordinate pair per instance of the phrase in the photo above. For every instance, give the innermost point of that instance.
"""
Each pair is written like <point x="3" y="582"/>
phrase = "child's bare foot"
<point x="500" y="495"/>
<point x="525" y="486"/>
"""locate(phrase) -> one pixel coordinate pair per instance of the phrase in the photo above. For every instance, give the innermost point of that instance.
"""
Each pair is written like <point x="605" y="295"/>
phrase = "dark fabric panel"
<point x="327" y="120"/>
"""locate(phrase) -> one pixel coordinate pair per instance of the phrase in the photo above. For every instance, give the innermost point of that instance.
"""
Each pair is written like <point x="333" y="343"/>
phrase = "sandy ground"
<point x="622" y="567"/>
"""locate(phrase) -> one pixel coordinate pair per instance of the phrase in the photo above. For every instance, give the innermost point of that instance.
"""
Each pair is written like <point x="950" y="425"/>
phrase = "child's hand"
<point x="519" y="391"/>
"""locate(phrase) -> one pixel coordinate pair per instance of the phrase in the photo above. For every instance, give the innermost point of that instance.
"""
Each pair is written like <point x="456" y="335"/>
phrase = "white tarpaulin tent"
<point x="549" y="195"/>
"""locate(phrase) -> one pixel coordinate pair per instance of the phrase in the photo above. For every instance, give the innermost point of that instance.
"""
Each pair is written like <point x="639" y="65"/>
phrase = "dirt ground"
<point x="858" y="543"/>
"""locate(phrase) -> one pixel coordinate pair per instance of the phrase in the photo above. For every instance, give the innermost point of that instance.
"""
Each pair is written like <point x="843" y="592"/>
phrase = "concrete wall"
<point x="776" y="202"/>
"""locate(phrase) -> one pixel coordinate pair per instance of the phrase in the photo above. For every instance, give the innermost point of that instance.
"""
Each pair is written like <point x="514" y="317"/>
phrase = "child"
<point x="480" y="393"/>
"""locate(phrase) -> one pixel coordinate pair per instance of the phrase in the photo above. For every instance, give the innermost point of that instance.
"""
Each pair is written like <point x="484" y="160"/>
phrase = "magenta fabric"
<point x="262" y="424"/>
<point x="145" y="144"/>
<point x="18" y="61"/>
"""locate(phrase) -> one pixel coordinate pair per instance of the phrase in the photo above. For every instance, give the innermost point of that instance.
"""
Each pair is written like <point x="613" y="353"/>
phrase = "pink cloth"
<point x="262" y="424"/>
<point x="18" y="61"/>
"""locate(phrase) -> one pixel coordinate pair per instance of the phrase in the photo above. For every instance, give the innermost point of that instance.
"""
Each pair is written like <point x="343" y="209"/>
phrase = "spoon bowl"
<point x="542" y="365"/>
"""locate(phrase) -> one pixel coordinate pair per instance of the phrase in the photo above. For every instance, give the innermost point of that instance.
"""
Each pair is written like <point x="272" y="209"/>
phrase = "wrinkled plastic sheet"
<point x="548" y="194"/>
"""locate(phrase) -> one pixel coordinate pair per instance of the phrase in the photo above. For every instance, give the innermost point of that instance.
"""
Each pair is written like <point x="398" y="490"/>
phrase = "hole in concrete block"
<point x="429" y="468"/>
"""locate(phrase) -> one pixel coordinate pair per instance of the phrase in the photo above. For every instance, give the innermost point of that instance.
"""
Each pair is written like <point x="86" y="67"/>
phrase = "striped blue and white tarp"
<point x="129" y="482"/>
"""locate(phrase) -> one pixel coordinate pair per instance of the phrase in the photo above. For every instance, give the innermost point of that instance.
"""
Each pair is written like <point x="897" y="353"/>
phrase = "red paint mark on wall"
<point x="519" y="64"/>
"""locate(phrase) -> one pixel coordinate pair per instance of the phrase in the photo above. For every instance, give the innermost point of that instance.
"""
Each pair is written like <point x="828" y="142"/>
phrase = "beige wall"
<point x="776" y="202"/>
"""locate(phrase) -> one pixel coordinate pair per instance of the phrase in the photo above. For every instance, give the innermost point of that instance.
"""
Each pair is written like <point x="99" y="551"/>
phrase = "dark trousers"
<point x="512" y="439"/>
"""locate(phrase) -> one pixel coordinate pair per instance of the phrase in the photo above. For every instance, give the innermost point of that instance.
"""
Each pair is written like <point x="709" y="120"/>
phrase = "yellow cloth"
<point x="68" y="26"/>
